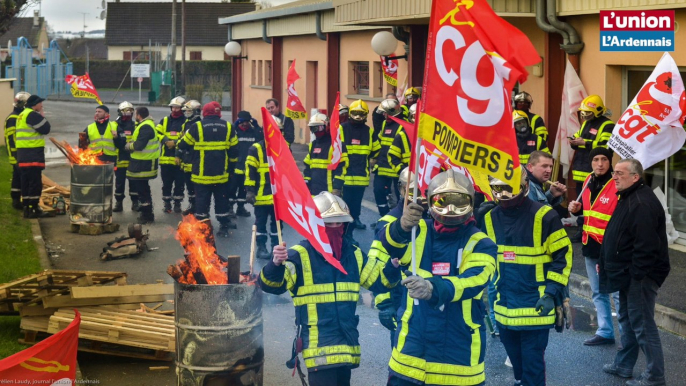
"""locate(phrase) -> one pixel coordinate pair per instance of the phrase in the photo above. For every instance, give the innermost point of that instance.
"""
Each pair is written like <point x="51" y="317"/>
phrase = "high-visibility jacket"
<point x="361" y="147"/>
<point x="400" y="151"/>
<point x="538" y="126"/>
<point x="534" y="258"/>
<point x="442" y="341"/>
<point x="144" y="162"/>
<point x="528" y="145"/>
<point x="214" y="150"/>
<point x="257" y="174"/>
<point x="598" y="212"/>
<point x="386" y="137"/>
<point x="27" y="137"/>
<point x="595" y="133"/>
<point x="325" y="301"/>
<point x="125" y="128"/>
<point x="102" y="143"/>
<point x="316" y="173"/>
<point x="10" y="134"/>
<point x="186" y="155"/>
<point x="169" y="129"/>
<point x="30" y="138"/>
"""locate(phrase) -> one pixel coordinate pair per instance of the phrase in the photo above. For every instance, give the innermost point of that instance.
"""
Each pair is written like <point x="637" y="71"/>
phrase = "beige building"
<point x="330" y="41"/>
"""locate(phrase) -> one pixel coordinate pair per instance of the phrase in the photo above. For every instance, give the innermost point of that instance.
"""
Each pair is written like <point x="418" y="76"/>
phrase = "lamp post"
<point x="384" y="45"/>
<point x="233" y="49"/>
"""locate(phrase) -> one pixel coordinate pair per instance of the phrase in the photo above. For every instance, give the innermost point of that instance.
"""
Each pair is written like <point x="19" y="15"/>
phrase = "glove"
<point x="336" y="192"/>
<point x="411" y="216"/>
<point x="250" y="197"/>
<point x="279" y="254"/>
<point x="387" y="318"/>
<point x="418" y="287"/>
<point x="544" y="305"/>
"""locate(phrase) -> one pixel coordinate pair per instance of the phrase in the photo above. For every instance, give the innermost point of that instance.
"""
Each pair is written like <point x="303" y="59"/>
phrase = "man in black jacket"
<point x="248" y="132"/>
<point x="288" y="129"/>
<point x="634" y="261"/>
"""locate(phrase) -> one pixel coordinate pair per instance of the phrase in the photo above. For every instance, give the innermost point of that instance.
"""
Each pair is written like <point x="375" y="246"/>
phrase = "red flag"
<point x="473" y="60"/>
<point x="336" y="143"/>
<point x="390" y="70"/>
<point x="50" y="362"/>
<point x="292" y="200"/>
<point x="411" y="131"/>
<point x="82" y="87"/>
<point x="294" y="107"/>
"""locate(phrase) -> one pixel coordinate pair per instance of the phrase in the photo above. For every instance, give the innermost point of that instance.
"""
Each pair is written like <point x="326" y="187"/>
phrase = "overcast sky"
<point x="66" y="15"/>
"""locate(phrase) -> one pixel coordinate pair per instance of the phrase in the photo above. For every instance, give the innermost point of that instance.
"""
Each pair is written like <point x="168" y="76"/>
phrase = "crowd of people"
<point x="512" y="248"/>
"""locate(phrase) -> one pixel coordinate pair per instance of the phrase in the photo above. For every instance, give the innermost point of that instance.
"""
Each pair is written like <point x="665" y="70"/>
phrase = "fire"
<point x="201" y="255"/>
<point x="87" y="157"/>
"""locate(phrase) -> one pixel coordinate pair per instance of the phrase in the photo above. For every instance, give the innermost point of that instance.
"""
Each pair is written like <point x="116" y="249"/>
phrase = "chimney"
<point x="36" y="19"/>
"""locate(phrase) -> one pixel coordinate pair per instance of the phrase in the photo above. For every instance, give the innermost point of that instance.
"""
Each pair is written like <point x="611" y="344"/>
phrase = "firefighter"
<point x="412" y="95"/>
<point x="316" y="173"/>
<point x="145" y="153"/>
<point x="169" y="130"/>
<point x="126" y="126"/>
<point x="288" y="129"/>
<point x="361" y="147"/>
<point x="184" y="158"/>
<point x="534" y="262"/>
<point x="378" y="117"/>
<point x="215" y="153"/>
<point x="595" y="131"/>
<point x="30" y="131"/>
<point x="401" y="149"/>
<point x="527" y="141"/>
<point x="259" y="194"/>
<point x="248" y="133"/>
<point x="523" y="102"/>
<point x="344" y="113"/>
<point x="442" y="339"/>
<point x="11" y="143"/>
<point x="412" y="113"/>
<point x="103" y="136"/>
<point x="386" y="176"/>
<point x="326" y="322"/>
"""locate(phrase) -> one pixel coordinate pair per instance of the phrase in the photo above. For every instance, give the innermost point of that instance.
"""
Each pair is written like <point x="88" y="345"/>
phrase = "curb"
<point x="666" y="318"/>
<point x="40" y="244"/>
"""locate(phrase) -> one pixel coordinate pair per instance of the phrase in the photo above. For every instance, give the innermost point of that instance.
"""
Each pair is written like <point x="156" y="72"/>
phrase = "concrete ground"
<point x="568" y="361"/>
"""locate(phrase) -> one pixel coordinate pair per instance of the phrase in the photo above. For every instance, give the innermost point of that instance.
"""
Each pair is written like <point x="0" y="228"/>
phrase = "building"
<point x="31" y="28"/>
<point x="135" y="28"/>
<point x="330" y="41"/>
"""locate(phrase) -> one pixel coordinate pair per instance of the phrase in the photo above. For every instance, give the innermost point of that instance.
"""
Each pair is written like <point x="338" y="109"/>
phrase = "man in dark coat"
<point x="634" y="261"/>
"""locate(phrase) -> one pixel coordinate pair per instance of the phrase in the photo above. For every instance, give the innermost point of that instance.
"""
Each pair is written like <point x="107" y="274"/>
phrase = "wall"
<point x="254" y="96"/>
<point x="534" y="85"/>
<point x="208" y="52"/>
<point x="6" y="100"/>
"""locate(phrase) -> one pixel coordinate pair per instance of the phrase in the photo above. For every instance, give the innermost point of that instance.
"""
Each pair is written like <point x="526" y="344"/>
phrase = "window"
<point x="267" y="72"/>
<point x="253" y="72"/>
<point x="379" y="80"/>
<point x="196" y="55"/>
<point x="360" y="78"/>
<point x="259" y="73"/>
<point x="141" y="56"/>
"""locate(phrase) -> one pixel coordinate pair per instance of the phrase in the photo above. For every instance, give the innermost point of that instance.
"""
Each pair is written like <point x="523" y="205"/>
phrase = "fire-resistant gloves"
<point x="417" y="286"/>
<point x="545" y="304"/>
<point x="411" y="217"/>
<point x="387" y="317"/>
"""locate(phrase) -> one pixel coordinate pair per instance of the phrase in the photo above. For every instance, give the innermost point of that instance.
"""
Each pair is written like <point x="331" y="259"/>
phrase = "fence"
<point x="43" y="78"/>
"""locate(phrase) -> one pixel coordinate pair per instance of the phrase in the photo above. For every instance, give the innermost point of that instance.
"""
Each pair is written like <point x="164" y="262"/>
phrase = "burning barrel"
<point x="91" y="193"/>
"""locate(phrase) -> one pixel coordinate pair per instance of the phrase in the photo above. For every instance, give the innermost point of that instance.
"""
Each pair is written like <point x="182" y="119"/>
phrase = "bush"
<point x="195" y="91"/>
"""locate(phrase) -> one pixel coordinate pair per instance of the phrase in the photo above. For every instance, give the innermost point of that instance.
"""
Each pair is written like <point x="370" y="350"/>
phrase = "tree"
<point x="9" y="9"/>
<point x="264" y="4"/>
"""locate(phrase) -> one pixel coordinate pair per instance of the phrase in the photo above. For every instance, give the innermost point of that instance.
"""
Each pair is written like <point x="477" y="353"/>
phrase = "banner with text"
<point x="294" y="107"/>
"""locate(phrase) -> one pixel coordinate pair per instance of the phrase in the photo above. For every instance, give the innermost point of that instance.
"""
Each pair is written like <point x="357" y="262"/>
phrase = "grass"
<point x="18" y="254"/>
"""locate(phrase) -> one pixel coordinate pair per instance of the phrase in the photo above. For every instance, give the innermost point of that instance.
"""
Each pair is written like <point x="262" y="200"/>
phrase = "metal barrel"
<point x="91" y="193"/>
<point x="218" y="334"/>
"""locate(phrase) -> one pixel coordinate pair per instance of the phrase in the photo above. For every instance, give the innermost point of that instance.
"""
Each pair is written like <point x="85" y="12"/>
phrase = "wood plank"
<point x="107" y="324"/>
<point x="94" y="292"/>
<point x="67" y="301"/>
<point x="148" y="333"/>
<point x="107" y="311"/>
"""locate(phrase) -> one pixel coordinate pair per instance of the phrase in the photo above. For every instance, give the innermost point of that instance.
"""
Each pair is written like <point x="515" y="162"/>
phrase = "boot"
<point x="262" y="252"/>
<point x="223" y="230"/>
<point x="118" y="206"/>
<point x="241" y="211"/>
<point x="359" y="225"/>
<point x="167" y="206"/>
<point x="232" y="214"/>
<point x="27" y="212"/>
<point x="146" y="218"/>
<point x="16" y="204"/>
<point x="37" y="212"/>
<point x="177" y="206"/>
<point x="135" y="205"/>
<point x="190" y="209"/>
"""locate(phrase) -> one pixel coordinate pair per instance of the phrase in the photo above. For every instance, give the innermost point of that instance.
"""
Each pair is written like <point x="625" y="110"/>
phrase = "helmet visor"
<point x="358" y="115"/>
<point x="586" y="115"/>
<point x="451" y="204"/>
<point x="502" y="192"/>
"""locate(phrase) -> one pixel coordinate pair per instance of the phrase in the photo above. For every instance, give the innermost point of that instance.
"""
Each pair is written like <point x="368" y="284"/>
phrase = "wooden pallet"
<point x="93" y="229"/>
<point x="32" y="289"/>
<point x="90" y="346"/>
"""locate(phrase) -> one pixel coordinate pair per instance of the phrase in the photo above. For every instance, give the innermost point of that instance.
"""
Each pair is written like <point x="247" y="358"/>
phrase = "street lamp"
<point x="384" y="45"/>
<point x="233" y="49"/>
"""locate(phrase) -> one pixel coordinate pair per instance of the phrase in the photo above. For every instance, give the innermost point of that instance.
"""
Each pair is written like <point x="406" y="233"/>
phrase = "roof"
<point x="294" y="8"/>
<point x="137" y="24"/>
<point x="22" y="26"/>
<point x="76" y="48"/>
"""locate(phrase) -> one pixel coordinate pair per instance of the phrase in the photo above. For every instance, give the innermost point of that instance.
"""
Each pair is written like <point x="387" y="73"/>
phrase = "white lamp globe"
<point x="384" y="43"/>
<point x="232" y="48"/>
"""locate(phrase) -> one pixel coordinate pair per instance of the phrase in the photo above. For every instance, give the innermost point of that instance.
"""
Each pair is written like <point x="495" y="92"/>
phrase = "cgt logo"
<point x="637" y="31"/>
<point x="604" y="200"/>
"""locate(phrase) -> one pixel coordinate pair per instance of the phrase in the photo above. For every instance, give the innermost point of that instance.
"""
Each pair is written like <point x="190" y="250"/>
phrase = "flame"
<point x="88" y="157"/>
<point x="201" y="254"/>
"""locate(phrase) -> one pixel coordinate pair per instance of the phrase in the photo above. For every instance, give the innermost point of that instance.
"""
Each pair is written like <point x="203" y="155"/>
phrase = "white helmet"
<point x="413" y="112"/>
<point x="318" y="119"/>
<point x="332" y="208"/>
<point x="390" y="107"/>
<point x="192" y="108"/>
<point x="20" y="99"/>
<point x="125" y="106"/>
<point x="177" y="102"/>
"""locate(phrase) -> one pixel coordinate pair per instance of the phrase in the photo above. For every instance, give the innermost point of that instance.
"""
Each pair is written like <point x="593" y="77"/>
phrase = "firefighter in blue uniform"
<point x="386" y="176"/>
<point x="11" y="143"/>
<point x="248" y="132"/>
<point x="361" y="147"/>
<point x="441" y="339"/>
<point x="412" y="95"/>
<point x="184" y="158"/>
<point x="145" y="153"/>
<point x="316" y="173"/>
<point x="325" y="299"/>
<point x="527" y="141"/>
<point x="534" y="262"/>
<point x="523" y="102"/>
<point x="169" y="131"/>
<point x="126" y="126"/>
<point x="214" y="154"/>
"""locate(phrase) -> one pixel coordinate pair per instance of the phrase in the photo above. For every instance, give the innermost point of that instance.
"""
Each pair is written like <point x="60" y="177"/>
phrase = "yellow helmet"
<point x="414" y="91"/>
<point x="593" y="104"/>
<point x="518" y="115"/>
<point x="358" y="110"/>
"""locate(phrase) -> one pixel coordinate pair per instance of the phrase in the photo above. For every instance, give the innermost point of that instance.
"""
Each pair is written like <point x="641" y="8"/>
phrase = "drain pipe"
<point x="266" y="38"/>
<point x="318" y="26"/>
<point x="229" y="33"/>
<point x="574" y="45"/>
<point x="543" y="24"/>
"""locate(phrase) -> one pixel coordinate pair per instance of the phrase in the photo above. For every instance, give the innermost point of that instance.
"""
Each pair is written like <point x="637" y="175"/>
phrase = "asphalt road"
<point x="568" y="361"/>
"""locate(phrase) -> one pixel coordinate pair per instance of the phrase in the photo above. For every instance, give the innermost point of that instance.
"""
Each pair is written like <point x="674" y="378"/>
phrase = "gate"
<point x="42" y="79"/>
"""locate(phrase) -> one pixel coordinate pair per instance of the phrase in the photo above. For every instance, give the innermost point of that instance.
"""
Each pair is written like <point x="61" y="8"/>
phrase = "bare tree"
<point x="265" y="4"/>
<point x="9" y="9"/>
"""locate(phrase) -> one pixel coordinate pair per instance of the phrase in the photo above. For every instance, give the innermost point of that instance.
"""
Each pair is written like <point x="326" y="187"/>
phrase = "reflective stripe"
<point x="102" y="143"/>
<point x="598" y="215"/>
<point x="151" y="151"/>
<point x="27" y="137"/>
<point x="597" y="231"/>
<point x="390" y="239"/>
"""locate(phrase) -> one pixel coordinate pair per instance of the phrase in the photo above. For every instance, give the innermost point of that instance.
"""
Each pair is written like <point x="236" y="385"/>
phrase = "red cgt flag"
<point x="294" y="107"/>
<point x="390" y="70"/>
<point x="336" y="143"/>
<point x="49" y="362"/>
<point x="292" y="200"/>
<point x="473" y="60"/>
<point x="82" y="87"/>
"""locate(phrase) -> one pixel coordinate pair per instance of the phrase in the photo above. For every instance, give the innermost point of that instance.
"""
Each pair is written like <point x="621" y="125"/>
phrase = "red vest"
<point x="597" y="214"/>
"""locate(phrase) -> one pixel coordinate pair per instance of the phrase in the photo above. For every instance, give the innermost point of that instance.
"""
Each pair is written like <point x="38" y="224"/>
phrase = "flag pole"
<point x="278" y="231"/>
<point x="417" y="147"/>
<point x="253" y="241"/>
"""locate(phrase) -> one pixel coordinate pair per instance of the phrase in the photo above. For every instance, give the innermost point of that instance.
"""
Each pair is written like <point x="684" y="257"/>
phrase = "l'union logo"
<point x="637" y="31"/>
